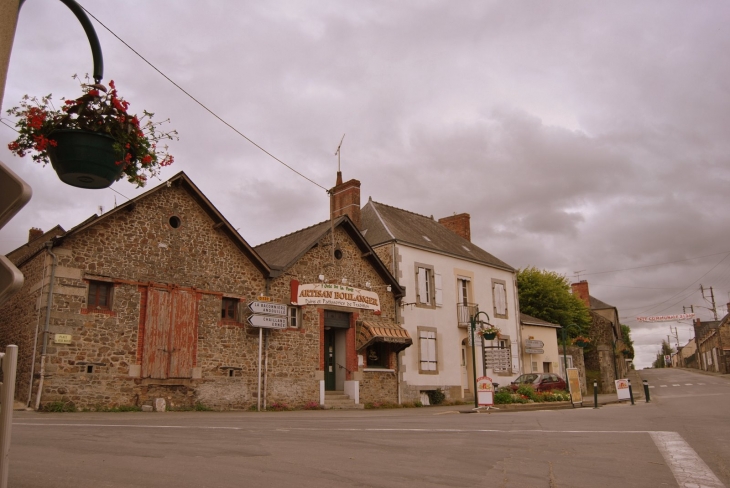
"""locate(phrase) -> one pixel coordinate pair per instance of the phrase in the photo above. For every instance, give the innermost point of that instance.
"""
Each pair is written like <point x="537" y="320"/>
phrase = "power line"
<point x="658" y="264"/>
<point x="200" y="103"/>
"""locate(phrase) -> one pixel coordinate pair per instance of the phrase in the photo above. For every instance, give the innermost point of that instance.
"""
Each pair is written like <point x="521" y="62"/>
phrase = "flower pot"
<point x="85" y="159"/>
<point x="489" y="335"/>
<point x="581" y="343"/>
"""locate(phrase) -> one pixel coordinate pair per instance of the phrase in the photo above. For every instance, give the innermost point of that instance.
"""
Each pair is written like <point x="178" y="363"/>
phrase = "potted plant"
<point x="489" y="332"/>
<point x="581" y="341"/>
<point x="92" y="141"/>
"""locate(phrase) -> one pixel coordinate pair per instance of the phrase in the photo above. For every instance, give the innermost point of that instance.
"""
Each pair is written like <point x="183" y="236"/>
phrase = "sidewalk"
<point x="637" y="388"/>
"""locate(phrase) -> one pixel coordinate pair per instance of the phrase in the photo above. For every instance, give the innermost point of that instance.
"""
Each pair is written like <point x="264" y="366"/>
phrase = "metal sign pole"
<point x="261" y="331"/>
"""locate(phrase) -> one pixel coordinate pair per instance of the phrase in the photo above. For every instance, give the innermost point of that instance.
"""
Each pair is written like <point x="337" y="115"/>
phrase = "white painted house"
<point x="447" y="280"/>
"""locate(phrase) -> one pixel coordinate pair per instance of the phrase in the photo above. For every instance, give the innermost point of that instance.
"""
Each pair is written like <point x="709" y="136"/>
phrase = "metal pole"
<point x="258" y="405"/>
<point x="474" y="360"/>
<point x="631" y="393"/>
<point x="646" y="391"/>
<point x="565" y="355"/>
<point x="7" y="394"/>
<point x="595" y="394"/>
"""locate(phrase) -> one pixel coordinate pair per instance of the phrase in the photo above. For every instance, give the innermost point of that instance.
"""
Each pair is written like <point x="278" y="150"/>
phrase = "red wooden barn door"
<point x="170" y="333"/>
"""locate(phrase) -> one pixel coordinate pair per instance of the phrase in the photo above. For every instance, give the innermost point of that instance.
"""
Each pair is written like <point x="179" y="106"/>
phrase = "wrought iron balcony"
<point x="465" y="312"/>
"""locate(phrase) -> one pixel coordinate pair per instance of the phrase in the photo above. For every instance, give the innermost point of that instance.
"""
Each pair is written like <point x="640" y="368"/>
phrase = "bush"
<point x="527" y="392"/>
<point x="502" y="398"/>
<point x="313" y="406"/>
<point x="436" y="397"/>
<point x="278" y="407"/>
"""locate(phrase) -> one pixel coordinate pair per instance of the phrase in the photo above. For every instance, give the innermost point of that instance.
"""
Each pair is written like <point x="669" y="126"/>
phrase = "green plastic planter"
<point x="581" y="343"/>
<point x="85" y="159"/>
<point x="489" y="336"/>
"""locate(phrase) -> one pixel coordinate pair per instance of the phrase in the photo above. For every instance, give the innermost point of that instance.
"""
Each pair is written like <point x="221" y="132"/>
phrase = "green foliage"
<point x="626" y="337"/>
<point x="502" y="398"/>
<point x="436" y="397"/>
<point x="666" y="350"/>
<point x="528" y="392"/>
<point x="546" y="295"/>
<point x="59" y="406"/>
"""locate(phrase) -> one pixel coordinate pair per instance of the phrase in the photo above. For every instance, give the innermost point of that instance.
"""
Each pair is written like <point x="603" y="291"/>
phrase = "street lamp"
<point x="473" y="326"/>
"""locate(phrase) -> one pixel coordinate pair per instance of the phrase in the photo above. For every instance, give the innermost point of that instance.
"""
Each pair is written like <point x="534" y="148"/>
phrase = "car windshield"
<point x="526" y="378"/>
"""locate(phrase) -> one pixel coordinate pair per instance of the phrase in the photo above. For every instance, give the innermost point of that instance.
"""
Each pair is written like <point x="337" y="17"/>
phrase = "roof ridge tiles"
<point x="291" y="233"/>
<point x="404" y="210"/>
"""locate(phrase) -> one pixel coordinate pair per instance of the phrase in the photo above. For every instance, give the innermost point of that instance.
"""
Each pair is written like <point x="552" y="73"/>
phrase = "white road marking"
<point x="652" y="386"/>
<point x="662" y="386"/>
<point x="676" y="384"/>
<point x="688" y="384"/>
<point x="688" y="468"/>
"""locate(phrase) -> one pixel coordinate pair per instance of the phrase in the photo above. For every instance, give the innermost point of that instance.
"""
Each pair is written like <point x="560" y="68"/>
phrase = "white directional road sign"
<point x="267" y="308"/>
<point x="268" y="321"/>
<point x="534" y="343"/>
<point x="532" y="350"/>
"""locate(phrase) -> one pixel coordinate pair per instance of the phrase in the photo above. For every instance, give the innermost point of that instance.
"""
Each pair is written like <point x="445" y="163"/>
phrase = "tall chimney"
<point x="345" y="199"/>
<point x="581" y="291"/>
<point x="34" y="233"/>
<point x="459" y="224"/>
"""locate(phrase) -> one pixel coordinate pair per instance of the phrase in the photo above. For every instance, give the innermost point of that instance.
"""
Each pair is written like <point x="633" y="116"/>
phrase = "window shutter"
<point x="431" y="351"/>
<point x="422" y="288"/>
<point x="439" y="291"/>
<point x="500" y="300"/>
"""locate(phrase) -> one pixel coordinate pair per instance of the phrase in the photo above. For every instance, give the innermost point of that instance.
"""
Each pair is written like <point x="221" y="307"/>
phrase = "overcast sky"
<point x="580" y="136"/>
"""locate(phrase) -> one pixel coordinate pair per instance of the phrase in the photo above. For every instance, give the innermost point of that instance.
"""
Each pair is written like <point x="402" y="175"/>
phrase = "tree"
<point x="666" y="350"/>
<point x="626" y="337"/>
<point x="546" y="295"/>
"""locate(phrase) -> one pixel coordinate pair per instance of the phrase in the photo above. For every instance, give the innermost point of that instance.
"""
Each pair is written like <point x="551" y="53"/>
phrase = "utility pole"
<point x="711" y="300"/>
<point x="691" y="308"/>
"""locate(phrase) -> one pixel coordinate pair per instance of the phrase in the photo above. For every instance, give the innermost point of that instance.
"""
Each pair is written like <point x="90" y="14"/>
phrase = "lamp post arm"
<point x="80" y="14"/>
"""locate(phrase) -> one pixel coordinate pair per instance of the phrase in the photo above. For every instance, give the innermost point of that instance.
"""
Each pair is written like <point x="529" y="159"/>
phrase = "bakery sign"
<point x="333" y="294"/>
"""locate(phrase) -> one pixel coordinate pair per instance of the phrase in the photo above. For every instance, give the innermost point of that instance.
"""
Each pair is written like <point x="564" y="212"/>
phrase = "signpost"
<point x="485" y="392"/>
<point x="531" y="350"/>
<point x="535" y="344"/>
<point x="266" y="315"/>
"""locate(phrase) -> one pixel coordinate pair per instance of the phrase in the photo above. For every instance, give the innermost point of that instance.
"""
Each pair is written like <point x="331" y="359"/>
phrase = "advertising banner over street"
<point x="667" y="318"/>
<point x="333" y="294"/>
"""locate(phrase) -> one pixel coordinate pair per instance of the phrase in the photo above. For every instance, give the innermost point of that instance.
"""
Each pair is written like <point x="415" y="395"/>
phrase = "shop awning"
<point x="370" y="332"/>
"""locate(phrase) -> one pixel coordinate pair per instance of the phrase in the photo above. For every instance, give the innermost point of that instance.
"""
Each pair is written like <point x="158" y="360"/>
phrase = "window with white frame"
<point x="428" y="286"/>
<point x="427" y="350"/>
<point x="499" y="298"/>
<point x="294" y="317"/>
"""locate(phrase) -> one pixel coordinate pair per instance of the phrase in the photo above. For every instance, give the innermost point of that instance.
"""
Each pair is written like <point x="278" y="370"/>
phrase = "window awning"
<point x="371" y="332"/>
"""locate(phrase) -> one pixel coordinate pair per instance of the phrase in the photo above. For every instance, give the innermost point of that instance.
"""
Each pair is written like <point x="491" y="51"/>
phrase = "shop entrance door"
<point x="330" y="366"/>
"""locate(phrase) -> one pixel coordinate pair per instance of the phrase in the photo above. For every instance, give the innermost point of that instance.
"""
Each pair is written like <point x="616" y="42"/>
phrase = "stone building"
<point x="604" y="354"/>
<point x="149" y="301"/>
<point x="713" y="344"/>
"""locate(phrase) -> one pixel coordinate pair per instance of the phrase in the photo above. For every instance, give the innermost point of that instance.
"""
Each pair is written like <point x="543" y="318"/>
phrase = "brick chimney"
<point x="345" y="199"/>
<point x="581" y="291"/>
<point x="459" y="224"/>
<point x="34" y="233"/>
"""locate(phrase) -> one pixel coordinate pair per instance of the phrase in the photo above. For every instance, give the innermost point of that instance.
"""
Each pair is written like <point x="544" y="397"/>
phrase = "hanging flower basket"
<point x="581" y="341"/>
<point x="489" y="333"/>
<point x="626" y="352"/>
<point x="92" y="141"/>
<point x="85" y="159"/>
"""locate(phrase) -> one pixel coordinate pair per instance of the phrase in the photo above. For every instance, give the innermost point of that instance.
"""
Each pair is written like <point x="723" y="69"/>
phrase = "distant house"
<point x="447" y="279"/>
<point x="713" y="344"/>
<point x="604" y="354"/>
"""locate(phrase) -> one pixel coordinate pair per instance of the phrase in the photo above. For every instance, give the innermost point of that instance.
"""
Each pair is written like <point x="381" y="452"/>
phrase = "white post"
<point x="7" y="395"/>
<point x="259" y="392"/>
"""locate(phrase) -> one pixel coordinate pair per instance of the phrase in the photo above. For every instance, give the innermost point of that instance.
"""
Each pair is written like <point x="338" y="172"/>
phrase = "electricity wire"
<point x="200" y="103"/>
<point x="658" y="264"/>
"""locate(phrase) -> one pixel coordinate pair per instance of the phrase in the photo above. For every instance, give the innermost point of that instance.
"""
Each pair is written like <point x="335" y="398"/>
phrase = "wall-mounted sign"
<point x="267" y="308"/>
<point x="666" y="318"/>
<point x="534" y="343"/>
<point x="62" y="338"/>
<point x="268" y="321"/>
<point x="339" y="295"/>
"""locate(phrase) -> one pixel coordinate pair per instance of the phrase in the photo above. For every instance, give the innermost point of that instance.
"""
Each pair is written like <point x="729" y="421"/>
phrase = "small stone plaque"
<point x="62" y="338"/>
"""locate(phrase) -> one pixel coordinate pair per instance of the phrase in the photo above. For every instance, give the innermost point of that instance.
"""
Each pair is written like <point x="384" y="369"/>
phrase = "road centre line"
<point x="134" y="426"/>
<point x="687" y="467"/>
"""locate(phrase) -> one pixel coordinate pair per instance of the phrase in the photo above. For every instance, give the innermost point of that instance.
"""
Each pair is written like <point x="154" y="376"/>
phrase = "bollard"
<point x="631" y="393"/>
<point x="646" y="391"/>
<point x="595" y="394"/>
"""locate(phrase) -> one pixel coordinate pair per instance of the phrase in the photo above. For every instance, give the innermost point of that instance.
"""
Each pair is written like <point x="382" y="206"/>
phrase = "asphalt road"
<point x="679" y="439"/>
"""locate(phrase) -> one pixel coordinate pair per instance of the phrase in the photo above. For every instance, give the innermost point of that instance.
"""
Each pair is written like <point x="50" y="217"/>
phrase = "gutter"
<point x="49" y="306"/>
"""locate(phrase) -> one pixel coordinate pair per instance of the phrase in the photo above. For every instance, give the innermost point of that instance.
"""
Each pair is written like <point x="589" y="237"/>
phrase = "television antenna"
<point x="577" y="273"/>
<point x="338" y="152"/>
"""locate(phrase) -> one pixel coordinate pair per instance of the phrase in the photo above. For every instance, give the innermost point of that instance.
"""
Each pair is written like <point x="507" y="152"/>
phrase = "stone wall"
<point x="600" y="356"/>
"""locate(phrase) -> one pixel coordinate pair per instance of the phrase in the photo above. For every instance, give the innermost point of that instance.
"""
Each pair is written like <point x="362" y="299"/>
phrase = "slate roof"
<point x="282" y="253"/>
<point x="530" y="320"/>
<point x="382" y="223"/>
<point x="597" y="304"/>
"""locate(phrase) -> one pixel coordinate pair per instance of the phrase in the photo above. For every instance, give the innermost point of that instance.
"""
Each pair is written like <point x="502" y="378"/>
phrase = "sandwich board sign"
<point x="622" y="389"/>
<point x="485" y="391"/>
<point x="574" y="386"/>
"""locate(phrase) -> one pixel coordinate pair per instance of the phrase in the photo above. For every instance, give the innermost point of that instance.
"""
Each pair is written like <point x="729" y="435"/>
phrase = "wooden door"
<point x="330" y="368"/>
<point x="170" y="333"/>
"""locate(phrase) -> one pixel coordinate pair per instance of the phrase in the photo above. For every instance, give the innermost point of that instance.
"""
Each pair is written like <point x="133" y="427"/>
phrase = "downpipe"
<point x="49" y="306"/>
